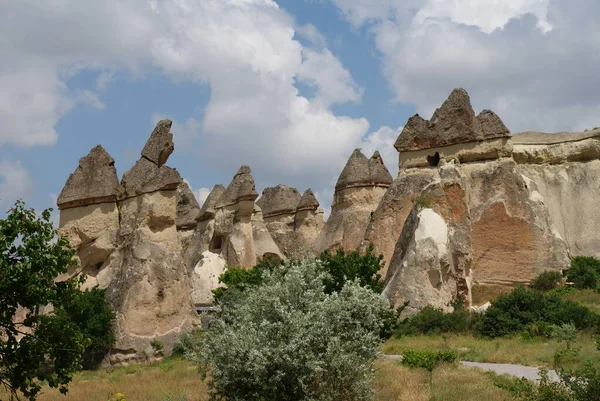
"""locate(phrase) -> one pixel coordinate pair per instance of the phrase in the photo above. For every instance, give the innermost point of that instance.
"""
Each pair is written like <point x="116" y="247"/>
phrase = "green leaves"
<point x="288" y="339"/>
<point x="39" y="342"/>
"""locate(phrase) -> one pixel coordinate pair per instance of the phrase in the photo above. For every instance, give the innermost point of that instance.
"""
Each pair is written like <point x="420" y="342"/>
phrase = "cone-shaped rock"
<point x="378" y="172"/>
<point x="308" y="201"/>
<point x="94" y="181"/>
<point x="160" y="144"/>
<point x="454" y="122"/>
<point x="240" y="188"/>
<point x="188" y="209"/>
<point x="281" y="199"/>
<point x="355" y="172"/>
<point x="208" y="207"/>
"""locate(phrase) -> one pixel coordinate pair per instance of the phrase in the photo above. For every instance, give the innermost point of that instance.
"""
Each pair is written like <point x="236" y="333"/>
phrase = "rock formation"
<point x="360" y="187"/>
<point x="278" y="205"/>
<point x="472" y="206"/>
<point x="89" y="216"/>
<point x="146" y="280"/>
<point x="188" y="213"/>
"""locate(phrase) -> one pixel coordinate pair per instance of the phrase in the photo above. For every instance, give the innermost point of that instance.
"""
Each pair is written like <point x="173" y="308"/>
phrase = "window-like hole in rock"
<point x="216" y="244"/>
<point x="434" y="160"/>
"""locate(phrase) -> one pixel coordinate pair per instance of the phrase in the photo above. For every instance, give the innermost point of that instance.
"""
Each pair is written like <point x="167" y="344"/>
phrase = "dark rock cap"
<point x="146" y="177"/>
<point x="160" y="145"/>
<point x="281" y="199"/>
<point x="378" y="172"/>
<point x="308" y="201"/>
<point x="240" y="188"/>
<point x="208" y="207"/>
<point x="188" y="209"/>
<point x="360" y="171"/>
<point x="93" y="181"/>
<point x="454" y="122"/>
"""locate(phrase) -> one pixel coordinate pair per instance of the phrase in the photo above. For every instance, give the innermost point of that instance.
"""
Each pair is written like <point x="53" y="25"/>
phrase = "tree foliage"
<point x="92" y="314"/>
<point x="288" y="339"/>
<point x="36" y="346"/>
<point x="344" y="266"/>
<point x="514" y="312"/>
<point x="584" y="272"/>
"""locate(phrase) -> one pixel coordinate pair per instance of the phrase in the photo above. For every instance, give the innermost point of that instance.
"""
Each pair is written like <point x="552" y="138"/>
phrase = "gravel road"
<point x="528" y="372"/>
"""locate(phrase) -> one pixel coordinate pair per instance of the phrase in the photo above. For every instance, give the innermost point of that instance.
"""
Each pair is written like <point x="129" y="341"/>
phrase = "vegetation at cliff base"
<point x="46" y="324"/>
<point x="288" y="339"/>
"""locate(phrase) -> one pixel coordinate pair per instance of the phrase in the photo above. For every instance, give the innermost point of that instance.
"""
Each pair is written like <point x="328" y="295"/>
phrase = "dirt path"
<point x="528" y="372"/>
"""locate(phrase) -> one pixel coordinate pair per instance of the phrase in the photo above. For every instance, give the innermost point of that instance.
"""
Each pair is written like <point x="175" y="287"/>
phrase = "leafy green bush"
<point x="431" y="320"/>
<point x="584" y="272"/>
<point x="287" y="339"/>
<point x="348" y="266"/>
<point x="548" y="280"/>
<point x="36" y="345"/>
<point x="515" y="311"/>
<point x="94" y="317"/>
<point x="428" y="360"/>
<point x="238" y="279"/>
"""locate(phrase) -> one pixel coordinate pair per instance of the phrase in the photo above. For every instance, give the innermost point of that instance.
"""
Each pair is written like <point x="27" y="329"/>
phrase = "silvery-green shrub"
<point x="288" y="340"/>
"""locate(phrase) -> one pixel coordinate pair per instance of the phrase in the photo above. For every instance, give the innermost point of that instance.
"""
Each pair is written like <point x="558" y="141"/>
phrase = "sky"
<point x="288" y="87"/>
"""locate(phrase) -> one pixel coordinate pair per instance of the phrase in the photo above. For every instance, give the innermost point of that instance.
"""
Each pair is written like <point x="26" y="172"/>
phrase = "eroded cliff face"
<point x="128" y="243"/>
<point x="528" y="200"/>
<point x="359" y="189"/>
<point x="472" y="205"/>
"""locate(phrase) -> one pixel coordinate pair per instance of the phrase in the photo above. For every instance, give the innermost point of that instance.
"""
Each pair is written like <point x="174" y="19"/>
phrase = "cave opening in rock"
<point x="216" y="244"/>
<point x="434" y="160"/>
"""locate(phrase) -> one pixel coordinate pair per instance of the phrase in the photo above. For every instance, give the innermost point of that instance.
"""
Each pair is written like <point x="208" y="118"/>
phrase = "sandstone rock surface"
<point x="94" y="181"/>
<point x="454" y="122"/>
<point x="188" y="210"/>
<point x="360" y="187"/>
<point x="205" y="277"/>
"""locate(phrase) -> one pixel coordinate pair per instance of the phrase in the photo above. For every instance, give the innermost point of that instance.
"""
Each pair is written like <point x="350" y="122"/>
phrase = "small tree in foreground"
<point x="287" y="339"/>
<point x="36" y="346"/>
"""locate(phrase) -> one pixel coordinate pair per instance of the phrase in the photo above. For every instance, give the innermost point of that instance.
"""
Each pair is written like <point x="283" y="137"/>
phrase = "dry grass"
<point x="173" y="378"/>
<point x="178" y="380"/>
<point x="483" y="293"/>
<point x="501" y="350"/>
<point x="450" y="383"/>
<point x="588" y="298"/>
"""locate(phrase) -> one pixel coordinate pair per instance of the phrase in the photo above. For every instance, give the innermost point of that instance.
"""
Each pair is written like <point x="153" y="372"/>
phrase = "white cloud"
<point x="90" y="98"/>
<point x="104" y="79"/>
<point x="383" y="140"/>
<point x="15" y="183"/>
<point x="246" y="51"/>
<point x="532" y="61"/>
<point x="184" y="133"/>
<point x="201" y="195"/>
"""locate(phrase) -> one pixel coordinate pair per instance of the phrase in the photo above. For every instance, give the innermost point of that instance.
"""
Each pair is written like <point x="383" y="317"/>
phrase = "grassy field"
<point x="178" y="380"/>
<point x="588" y="298"/>
<point x="516" y="350"/>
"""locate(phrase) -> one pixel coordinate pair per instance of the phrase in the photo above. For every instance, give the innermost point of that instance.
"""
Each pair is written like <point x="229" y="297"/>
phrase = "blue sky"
<point x="289" y="87"/>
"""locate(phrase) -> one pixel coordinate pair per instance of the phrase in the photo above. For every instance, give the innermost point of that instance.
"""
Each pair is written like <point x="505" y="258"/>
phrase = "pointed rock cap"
<point x="208" y="207"/>
<point x="378" y="171"/>
<point x="239" y="189"/>
<point x="360" y="172"/>
<point x="146" y="177"/>
<point x="188" y="209"/>
<point x="308" y="201"/>
<point x="94" y="181"/>
<point x="160" y="145"/>
<point x="454" y="122"/>
<point x="281" y="199"/>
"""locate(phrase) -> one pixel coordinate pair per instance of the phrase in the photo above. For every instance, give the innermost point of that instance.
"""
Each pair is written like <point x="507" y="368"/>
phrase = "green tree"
<point x="92" y="314"/>
<point x="584" y="272"/>
<point x="287" y="339"/>
<point x="344" y="266"/>
<point x="36" y="344"/>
